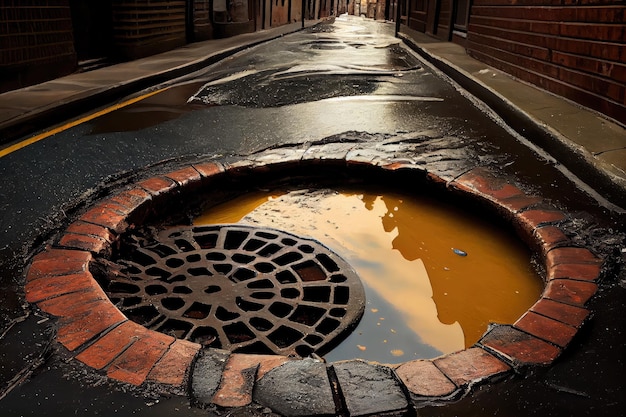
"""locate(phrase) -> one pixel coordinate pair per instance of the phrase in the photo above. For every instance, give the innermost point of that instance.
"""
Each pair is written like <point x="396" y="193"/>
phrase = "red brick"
<point x="104" y="350"/>
<point x="531" y="219"/>
<point x="569" y="291"/>
<point x="105" y="216"/>
<point x="173" y="366"/>
<point x="560" y="256"/>
<point x="568" y="314"/>
<point x="90" y="229"/>
<point x="481" y="181"/>
<point x="397" y="165"/>
<point x="520" y="347"/>
<point x="84" y="242"/>
<point x="546" y="328"/>
<point x="209" y="169"/>
<point x="238" y="378"/>
<point x="158" y="185"/>
<point x="131" y="199"/>
<point x="436" y="179"/>
<point x="185" y="176"/>
<point x="76" y="331"/>
<point x="519" y="202"/>
<point x="470" y="365"/>
<point x="73" y="303"/>
<point x="134" y="365"/>
<point x="58" y="262"/>
<point x="56" y="286"/>
<point x="581" y="272"/>
<point x="423" y="379"/>
<point x="549" y="237"/>
<point x="269" y="362"/>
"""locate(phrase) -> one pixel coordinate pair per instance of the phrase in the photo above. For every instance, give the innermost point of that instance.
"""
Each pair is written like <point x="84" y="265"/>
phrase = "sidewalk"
<point x="27" y="110"/>
<point x="590" y="146"/>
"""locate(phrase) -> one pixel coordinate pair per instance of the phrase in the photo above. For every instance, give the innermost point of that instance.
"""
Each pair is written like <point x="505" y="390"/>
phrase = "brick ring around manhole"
<point x="237" y="287"/>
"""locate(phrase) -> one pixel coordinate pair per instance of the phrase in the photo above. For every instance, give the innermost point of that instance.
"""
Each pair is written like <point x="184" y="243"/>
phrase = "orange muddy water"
<point x="435" y="276"/>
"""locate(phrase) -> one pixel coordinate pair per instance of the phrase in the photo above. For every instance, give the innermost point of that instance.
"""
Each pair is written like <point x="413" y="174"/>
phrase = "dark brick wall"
<point x="36" y="42"/>
<point x="146" y="27"/>
<point x="574" y="48"/>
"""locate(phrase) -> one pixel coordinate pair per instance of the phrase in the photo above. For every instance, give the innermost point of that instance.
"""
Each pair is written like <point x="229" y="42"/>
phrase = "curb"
<point x="579" y="161"/>
<point x="42" y="117"/>
<point x="97" y="334"/>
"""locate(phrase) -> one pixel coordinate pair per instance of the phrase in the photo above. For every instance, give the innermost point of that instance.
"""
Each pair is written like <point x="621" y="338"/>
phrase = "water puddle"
<point x="434" y="276"/>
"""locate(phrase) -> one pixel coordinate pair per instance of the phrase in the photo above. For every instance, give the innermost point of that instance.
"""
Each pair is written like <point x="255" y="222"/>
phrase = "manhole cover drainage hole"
<point x="236" y="287"/>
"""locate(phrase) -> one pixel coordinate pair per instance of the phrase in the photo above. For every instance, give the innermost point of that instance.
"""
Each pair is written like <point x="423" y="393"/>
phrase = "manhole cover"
<point x="237" y="287"/>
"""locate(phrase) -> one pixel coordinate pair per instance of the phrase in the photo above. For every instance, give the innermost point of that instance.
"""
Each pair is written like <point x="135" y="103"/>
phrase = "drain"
<point x="237" y="287"/>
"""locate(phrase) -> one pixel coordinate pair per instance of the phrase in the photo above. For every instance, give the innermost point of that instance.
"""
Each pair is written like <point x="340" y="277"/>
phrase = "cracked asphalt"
<point x="341" y="82"/>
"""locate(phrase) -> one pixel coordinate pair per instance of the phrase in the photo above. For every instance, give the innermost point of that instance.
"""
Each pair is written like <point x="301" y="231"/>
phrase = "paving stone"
<point x="519" y="202"/>
<point x="92" y="244"/>
<point x="157" y="186"/>
<point x="518" y="347"/>
<point x="569" y="291"/>
<point x="269" y="362"/>
<point x="107" y="217"/>
<point x="58" y="262"/>
<point x="568" y="314"/>
<point x="337" y="151"/>
<point x="367" y="157"/>
<point x="582" y="272"/>
<point x="369" y="389"/>
<point x="297" y="388"/>
<point x="470" y="366"/>
<point x="560" y="256"/>
<point x="173" y="367"/>
<point x="483" y="182"/>
<point x="136" y="202"/>
<point x="90" y="229"/>
<point x="423" y="379"/>
<point x="238" y="378"/>
<point x="131" y="199"/>
<point x="534" y="218"/>
<point x="55" y="286"/>
<point x="282" y="156"/>
<point x="548" y="237"/>
<point x="136" y="362"/>
<point x="546" y="328"/>
<point x="209" y="169"/>
<point x="74" y="332"/>
<point x="206" y="374"/>
<point x="74" y="304"/>
<point x="104" y="350"/>
<point x="185" y="176"/>
<point x="403" y="164"/>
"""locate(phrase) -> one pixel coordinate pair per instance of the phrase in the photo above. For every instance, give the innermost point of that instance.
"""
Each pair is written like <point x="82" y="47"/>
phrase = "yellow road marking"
<point x="37" y="138"/>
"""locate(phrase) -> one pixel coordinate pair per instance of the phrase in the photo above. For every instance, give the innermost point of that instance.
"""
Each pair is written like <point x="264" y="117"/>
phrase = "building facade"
<point x="573" y="48"/>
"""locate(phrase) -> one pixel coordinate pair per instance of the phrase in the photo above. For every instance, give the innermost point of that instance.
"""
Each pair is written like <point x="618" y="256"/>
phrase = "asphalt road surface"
<point x="346" y="79"/>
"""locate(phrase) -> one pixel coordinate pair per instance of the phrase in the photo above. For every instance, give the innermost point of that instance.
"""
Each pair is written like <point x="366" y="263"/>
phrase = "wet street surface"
<point x="344" y="82"/>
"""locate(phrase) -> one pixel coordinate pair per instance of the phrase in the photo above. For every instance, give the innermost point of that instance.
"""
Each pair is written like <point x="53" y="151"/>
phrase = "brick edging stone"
<point x="97" y="334"/>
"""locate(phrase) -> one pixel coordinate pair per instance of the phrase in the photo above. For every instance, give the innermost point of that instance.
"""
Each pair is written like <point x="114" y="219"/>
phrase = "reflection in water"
<point x="167" y="104"/>
<point x="423" y="298"/>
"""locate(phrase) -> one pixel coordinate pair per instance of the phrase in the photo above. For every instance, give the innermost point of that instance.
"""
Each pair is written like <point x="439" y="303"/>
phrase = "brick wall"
<point x="146" y="27"/>
<point x="36" y="42"/>
<point x="574" y="48"/>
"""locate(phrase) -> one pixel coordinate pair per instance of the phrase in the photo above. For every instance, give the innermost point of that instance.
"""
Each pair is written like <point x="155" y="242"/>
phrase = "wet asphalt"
<point x="347" y="80"/>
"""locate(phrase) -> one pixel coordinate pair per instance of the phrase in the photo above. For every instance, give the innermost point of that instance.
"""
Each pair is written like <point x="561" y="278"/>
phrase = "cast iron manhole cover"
<point x="237" y="287"/>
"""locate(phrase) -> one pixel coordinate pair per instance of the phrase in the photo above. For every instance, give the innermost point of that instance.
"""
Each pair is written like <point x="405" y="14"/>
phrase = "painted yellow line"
<point x="37" y="138"/>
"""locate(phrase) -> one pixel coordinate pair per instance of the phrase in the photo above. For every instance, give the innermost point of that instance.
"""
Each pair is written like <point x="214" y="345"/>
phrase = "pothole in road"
<point x="434" y="276"/>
